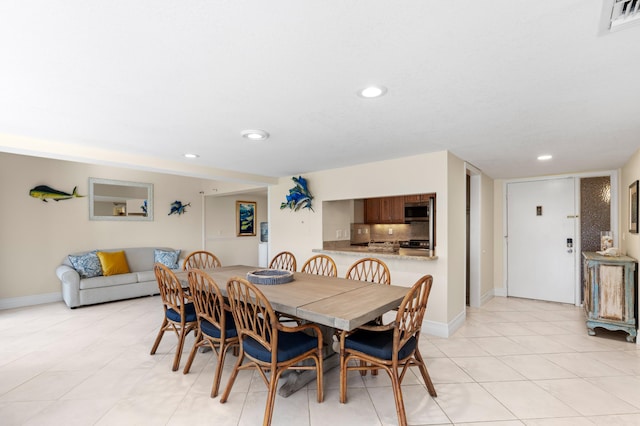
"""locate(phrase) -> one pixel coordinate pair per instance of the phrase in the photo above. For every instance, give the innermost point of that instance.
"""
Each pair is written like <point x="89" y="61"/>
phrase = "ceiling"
<point x="496" y="82"/>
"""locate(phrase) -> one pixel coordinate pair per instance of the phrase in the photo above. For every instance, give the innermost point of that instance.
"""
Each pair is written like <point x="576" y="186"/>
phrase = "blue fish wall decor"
<point x="299" y="196"/>
<point x="45" y="193"/>
<point x="178" y="208"/>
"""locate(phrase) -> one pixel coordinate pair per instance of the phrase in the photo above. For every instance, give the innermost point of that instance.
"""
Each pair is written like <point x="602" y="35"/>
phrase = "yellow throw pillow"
<point x="113" y="263"/>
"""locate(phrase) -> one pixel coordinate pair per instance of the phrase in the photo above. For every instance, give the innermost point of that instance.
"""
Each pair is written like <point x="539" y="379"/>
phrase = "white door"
<point x="540" y="220"/>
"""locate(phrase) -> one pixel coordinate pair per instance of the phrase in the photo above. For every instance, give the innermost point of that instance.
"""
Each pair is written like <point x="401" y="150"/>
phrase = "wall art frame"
<point x="246" y="218"/>
<point x="633" y="207"/>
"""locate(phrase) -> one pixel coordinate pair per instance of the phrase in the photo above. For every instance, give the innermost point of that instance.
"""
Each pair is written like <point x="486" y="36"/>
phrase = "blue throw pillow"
<point x="167" y="258"/>
<point x="87" y="265"/>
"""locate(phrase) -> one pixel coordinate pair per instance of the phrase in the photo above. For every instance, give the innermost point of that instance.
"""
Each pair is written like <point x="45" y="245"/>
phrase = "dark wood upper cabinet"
<point x="372" y="210"/>
<point x="384" y="210"/>
<point x="418" y="198"/>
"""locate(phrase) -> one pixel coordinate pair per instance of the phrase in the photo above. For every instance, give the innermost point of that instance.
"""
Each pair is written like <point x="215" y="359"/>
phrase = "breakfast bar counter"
<point x="401" y="254"/>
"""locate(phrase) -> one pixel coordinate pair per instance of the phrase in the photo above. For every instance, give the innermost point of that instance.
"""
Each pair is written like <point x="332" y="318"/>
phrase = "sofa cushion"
<point x="168" y="258"/>
<point x="141" y="258"/>
<point x="87" y="265"/>
<point x="113" y="263"/>
<point x="108" y="281"/>
<point x="146" y="276"/>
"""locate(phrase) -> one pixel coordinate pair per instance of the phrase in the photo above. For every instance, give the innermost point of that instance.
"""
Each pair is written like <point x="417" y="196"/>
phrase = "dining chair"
<point x="179" y="312"/>
<point x="284" y="260"/>
<point x="393" y="347"/>
<point x="216" y="328"/>
<point x="201" y="259"/>
<point x="267" y="345"/>
<point x="320" y="264"/>
<point x="369" y="269"/>
<point x="372" y="270"/>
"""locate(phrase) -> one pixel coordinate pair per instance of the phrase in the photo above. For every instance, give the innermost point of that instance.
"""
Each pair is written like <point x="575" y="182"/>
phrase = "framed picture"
<point x="633" y="207"/>
<point x="246" y="218"/>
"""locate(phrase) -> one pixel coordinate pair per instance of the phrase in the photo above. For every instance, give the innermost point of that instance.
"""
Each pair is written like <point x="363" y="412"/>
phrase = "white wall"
<point x="487" y="244"/>
<point x="337" y="218"/>
<point x="35" y="236"/>
<point x="221" y="233"/>
<point x="441" y="172"/>
<point x="630" y="243"/>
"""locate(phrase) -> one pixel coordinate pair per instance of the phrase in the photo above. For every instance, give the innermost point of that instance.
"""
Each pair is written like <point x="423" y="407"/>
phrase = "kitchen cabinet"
<point x="384" y="210"/>
<point x="610" y="289"/>
<point x="392" y="210"/>
<point x="372" y="210"/>
<point x="416" y="198"/>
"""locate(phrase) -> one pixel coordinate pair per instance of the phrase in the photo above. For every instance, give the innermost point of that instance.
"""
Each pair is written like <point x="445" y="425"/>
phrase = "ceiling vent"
<point x="619" y="14"/>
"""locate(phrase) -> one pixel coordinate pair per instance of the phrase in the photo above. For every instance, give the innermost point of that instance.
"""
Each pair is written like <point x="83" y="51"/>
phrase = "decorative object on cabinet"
<point x="610" y="289"/>
<point x="45" y="192"/>
<point x="178" y="208"/>
<point x="633" y="207"/>
<point x="606" y="240"/>
<point x="246" y="218"/>
<point x="299" y="196"/>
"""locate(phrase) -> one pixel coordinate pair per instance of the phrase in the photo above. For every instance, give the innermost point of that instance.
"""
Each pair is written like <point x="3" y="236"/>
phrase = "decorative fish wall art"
<point x="45" y="193"/>
<point x="299" y="196"/>
<point x="178" y="208"/>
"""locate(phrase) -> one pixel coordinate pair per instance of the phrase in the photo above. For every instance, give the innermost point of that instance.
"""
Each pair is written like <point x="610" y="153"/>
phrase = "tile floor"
<point x="515" y="362"/>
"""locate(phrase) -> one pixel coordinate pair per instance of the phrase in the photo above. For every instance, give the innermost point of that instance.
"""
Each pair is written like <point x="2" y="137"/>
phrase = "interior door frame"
<point x="577" y="246"/>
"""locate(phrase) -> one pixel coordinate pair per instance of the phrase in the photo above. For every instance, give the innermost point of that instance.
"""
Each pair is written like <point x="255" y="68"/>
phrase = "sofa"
<point x="90" y="277"/>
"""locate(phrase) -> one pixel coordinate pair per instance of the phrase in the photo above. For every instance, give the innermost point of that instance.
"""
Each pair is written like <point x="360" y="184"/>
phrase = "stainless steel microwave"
<point x="416" y="212"/>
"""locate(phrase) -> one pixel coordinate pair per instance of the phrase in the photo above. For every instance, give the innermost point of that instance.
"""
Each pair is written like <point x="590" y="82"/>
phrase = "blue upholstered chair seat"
<point x="213" y="331"/>
<point x="189" y="312"/>
<point x="378" y="344"/>
<point x="290" y="345"/>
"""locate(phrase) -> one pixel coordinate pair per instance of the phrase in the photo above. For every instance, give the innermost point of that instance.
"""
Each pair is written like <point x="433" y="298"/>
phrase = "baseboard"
<point x="37" y="299"/>
<point x="486" y="297"/>
<point x="440" y="329"/>
<point x="502" y="292"/>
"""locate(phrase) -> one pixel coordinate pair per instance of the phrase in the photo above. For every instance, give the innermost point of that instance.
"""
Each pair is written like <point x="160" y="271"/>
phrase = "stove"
<point x="415" y="244"/>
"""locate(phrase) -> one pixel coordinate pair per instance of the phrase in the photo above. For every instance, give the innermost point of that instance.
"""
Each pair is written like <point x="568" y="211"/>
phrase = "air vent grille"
<point x="624" y="13"/>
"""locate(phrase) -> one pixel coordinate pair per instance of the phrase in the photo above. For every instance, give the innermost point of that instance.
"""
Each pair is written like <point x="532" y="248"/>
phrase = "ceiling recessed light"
<point x="545" y="157"/>
<point x="372" y="91"/>
<point x="255" y="135"/>
<point x="191" y="155"/>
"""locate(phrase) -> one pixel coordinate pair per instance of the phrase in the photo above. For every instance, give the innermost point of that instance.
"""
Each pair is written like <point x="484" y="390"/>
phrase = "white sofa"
<point x="140" y="281"/>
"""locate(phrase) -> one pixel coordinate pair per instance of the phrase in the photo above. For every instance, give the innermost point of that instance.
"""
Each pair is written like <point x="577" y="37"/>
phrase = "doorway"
<point x="541" y="240"/>
<point x="473" y="293"/>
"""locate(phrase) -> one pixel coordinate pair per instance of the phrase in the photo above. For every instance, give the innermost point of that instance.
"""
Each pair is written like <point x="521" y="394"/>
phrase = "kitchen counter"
<point x="409" y="254"/>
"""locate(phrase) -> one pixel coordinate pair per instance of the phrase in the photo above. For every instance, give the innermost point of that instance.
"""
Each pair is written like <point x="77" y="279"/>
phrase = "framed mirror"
<point x="120" y="200"/>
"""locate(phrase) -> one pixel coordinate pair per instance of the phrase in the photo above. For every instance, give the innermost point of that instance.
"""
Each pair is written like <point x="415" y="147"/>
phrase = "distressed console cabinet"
<point x="610" y="293"/>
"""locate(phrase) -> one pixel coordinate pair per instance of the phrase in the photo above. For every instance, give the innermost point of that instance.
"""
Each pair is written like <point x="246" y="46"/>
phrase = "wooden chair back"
<point x="210" y="307"/>
<point x="405" y="328"/>
<point x="257" y="324"/>
<point x="174" y="302"/>
<point x="284" y="260"/>
<point x="201" y="259"/>
<point x="253" y="314"/>
<point x="320" y="264"/>
<point x="171" y="292"/>
<point x="409" y="317"/>
<point x="207" y="299"/>
<point x="369" y="269"/>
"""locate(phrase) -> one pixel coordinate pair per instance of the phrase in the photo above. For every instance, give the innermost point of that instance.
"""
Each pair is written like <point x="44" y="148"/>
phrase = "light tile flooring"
<point x="515" y="362"/>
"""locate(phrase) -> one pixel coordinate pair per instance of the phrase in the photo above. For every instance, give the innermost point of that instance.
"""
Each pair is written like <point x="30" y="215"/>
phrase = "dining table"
<point x="332" y="302"/>
<point x="339" y="303"/>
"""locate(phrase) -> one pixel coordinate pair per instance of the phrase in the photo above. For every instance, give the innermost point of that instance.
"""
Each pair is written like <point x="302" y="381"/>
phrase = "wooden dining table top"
<point x="335" y="302"/>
